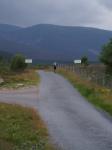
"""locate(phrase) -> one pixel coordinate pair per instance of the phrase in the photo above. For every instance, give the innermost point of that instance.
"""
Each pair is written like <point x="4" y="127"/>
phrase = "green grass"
<point x="99" y="96"/>
<point x="26" y="78"/>
<point x="21" y="129"/>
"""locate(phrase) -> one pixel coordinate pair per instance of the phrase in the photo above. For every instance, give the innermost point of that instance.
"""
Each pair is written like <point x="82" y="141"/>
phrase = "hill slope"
<point x="51" y="42"/>
<point x="5" y="29"/>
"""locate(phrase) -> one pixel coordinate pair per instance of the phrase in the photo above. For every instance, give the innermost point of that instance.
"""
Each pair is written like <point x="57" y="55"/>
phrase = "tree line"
<point x="14" y="64"/>
<point x="17" y="63"/>
<point x="105" y="57"/>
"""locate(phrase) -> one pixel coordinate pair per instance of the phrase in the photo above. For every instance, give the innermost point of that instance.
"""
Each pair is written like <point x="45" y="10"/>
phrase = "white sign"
<point x="77" y="61"/>
<point x="28" y="61"/>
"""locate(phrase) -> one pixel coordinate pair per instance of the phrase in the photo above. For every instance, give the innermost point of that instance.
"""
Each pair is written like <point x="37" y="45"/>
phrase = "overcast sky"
<point x="94" y="13"/>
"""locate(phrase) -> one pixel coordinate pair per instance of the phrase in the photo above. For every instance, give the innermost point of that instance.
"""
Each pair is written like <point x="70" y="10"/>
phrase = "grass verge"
<point x="20" y="79"/>
<point x="101" y="97"/>
<point x="22" y="129"/>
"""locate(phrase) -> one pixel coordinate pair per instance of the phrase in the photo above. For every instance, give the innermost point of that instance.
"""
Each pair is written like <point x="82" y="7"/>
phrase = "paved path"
<point x="25" y="96"/>
<point x="73" y="123"/>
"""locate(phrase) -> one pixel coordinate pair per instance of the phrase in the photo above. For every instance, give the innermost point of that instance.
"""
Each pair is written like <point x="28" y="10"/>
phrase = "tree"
<point x="1" y="59"/>
<point x="106" y="55"/>
<point x="18" y="63"/>
<point x="4" y="66"/>
<point x="84" y="61"/>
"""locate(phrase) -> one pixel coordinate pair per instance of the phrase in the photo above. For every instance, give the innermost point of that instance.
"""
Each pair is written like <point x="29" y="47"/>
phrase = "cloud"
<point x="107" y="3"/>
<point x="95" y="13"/>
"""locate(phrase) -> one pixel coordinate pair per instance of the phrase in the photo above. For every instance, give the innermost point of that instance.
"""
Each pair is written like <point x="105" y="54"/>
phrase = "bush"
<point x="4" y="67"/>
<point x="106" y="56"/>
<point x="84" y="61"/>
<point x="18" y="63"/>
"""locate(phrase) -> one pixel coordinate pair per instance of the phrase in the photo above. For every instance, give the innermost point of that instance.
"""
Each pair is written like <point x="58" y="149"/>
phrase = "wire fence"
<point x="93" y="73"/>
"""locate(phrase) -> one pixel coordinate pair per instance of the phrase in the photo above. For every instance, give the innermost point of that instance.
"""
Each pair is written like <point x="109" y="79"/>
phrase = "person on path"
<point x="55" y="66"/>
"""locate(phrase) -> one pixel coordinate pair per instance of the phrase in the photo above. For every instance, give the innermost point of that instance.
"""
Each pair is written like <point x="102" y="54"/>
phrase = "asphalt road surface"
<point x="73" y="123"/>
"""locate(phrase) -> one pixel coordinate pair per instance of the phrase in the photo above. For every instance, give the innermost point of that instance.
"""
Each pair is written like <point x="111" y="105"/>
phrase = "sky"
<point x="92" y="13"/>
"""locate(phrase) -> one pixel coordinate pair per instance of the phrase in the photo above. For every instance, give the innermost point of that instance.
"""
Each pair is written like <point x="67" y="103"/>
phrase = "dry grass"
<point x="26" y="78"/>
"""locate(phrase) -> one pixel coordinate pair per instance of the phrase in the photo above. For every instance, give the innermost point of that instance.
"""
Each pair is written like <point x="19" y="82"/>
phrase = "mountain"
<point x="10" y="46"/>
<point x="5" y="29"/>
<point x="52" y="42"/>
<point x="5" y="55"/>
<point x="13" y="47"/>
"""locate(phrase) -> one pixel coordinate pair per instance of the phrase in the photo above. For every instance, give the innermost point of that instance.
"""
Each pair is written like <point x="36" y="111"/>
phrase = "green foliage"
<point x="89" y="91"/>
<point x="21" y="129"/>
<point x="84" y="61"/>
<point x="4" y="67"/>
<point x="18" y="63"/>
<point x="106" y="55"/>
<point x="1" y="58"/>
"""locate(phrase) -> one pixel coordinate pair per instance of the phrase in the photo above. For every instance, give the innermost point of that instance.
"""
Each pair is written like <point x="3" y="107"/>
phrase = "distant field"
<point x="100" y="96"/>
<point x="22" y="129"/>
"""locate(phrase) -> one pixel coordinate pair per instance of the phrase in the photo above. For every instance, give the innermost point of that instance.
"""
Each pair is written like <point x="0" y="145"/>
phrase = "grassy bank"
<point x="22" y="129"/>
<point x="99" y="96"/>
<point x="20" y="79"/>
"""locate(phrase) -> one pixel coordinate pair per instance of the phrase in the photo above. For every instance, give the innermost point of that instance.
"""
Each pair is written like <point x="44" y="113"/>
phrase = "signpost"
<point x="77" y="61"/>
<point x="28" y="61"/>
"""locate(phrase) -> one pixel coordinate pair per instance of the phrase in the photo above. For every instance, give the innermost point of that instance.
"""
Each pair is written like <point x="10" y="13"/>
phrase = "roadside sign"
<point x="77" y="61"/>
<point x="28" y="61"/>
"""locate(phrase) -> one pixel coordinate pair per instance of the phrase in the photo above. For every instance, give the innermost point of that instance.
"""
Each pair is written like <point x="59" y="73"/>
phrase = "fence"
<point x="93" y="73"/>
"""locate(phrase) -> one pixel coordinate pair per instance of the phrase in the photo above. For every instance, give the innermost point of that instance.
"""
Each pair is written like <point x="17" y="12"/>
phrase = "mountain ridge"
<point x="54" y="42"/>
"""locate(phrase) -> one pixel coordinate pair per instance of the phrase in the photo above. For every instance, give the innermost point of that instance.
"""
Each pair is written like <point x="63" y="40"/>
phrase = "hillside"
<point x="51" y="42"/>
<point x="5" y="29"/>
<point x="5" y="55"/>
